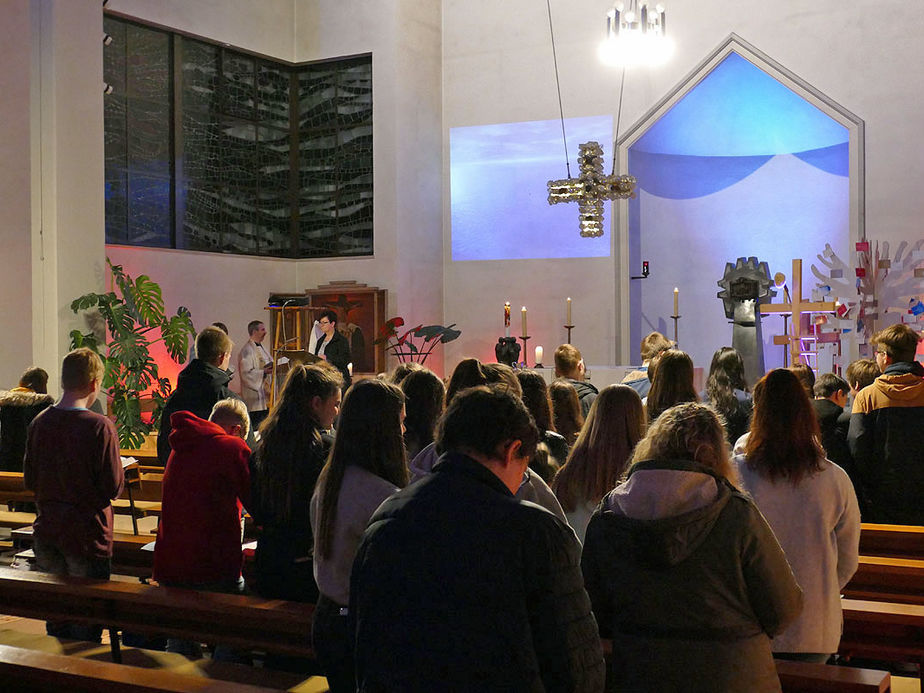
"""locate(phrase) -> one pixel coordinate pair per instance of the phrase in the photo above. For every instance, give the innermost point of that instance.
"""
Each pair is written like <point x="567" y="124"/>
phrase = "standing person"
<point x="861" y="373"/>
<point x="672" y="383"/>
<point x="255" y="366"/>
<point x="285" y="468"/>
<point x="652" y="345"/>
<point x="886" y="434"/>
<point x="569" y="366"/>
<point x="457" y="584"/>
<point x="597" y="462"/>
<point x="17" y="409"/>
<point x="425" y="399"/>
<point x="334" y="347"/>
<point x="566" y="410"/>
<point x="811" y="506"/>
<point x="537" y="400"/>
<point x="683" y="572"/>
<point x="202" y="383"/>
<point x="727" y="392"/>
<point x="829" y="404"/>
<point x="74" y="483"/>
<point x="366" y="466"/>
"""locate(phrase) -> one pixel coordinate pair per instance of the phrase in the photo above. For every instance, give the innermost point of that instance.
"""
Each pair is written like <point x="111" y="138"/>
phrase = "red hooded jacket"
<point x="205" y="482"/>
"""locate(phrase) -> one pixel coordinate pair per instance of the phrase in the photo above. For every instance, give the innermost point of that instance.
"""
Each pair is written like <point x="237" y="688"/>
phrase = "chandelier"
<point x="635" y="35"/>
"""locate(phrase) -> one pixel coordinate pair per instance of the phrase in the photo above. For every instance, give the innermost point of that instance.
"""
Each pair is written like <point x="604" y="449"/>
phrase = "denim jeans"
<point x="49" y="558"/>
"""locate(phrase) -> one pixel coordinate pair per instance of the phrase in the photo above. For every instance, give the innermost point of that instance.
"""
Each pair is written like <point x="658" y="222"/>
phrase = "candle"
<point x="676" y="301"/>
<point x="538" y="355"/>
<point x="507" y="319"/>
<point x="523" y="313"/>
<point x="568" y="319"/>
<point x="350" y="369"/>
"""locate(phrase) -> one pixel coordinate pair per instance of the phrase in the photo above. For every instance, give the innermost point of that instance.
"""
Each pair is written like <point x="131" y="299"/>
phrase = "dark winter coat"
<point x="834" y="424"/>
<point x="687" y="578"/>
<point x="17" y="409"/>
<point x="458" y="586"/>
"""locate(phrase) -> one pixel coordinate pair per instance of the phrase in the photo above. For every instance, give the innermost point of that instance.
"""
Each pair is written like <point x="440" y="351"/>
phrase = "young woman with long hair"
<point x="366" y="465"/>
<point x="425" y="398"/>
<point x="537" y="400"/>
<point x="285" y="469"/>
<point x="566" y="410"/>
<point x="727" y="392"/>
<point x="683" y="572"/>
<point x="615" y="424"/>
<point x="811" y="505"/>
<point x="671" y="384"/>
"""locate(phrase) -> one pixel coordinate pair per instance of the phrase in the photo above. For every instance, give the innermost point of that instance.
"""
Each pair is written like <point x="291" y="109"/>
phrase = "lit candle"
<point x="568" y="319"/>
<point x="523" y="313"/>
<point x="676" y="301"/>
<point x="507" y="319"/>
<point x="538" y="355"/>
<point x="350" y="369"/>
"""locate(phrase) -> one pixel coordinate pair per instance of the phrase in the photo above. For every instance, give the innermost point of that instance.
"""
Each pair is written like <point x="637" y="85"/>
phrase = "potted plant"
<point x="405" y="348"/>
<point x="135" y="319"/>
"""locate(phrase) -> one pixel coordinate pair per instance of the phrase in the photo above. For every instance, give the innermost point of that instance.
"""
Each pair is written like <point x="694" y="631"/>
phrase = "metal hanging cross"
<point x="590" y="189"/>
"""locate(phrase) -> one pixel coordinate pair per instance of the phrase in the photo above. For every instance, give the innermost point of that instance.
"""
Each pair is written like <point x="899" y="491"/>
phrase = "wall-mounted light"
<point x="107" y="39"/>
<point x="107" y="88"/>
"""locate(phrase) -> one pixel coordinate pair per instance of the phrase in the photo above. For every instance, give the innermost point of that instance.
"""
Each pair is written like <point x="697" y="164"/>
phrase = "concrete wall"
<point x="497" y="68"/>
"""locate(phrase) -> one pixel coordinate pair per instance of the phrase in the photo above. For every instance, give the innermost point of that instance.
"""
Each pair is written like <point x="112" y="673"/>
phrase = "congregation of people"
<point x="485" y="533"/>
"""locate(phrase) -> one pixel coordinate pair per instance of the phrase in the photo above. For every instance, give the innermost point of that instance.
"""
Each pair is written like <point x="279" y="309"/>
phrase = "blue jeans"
<point x="222" y="653"/>
<point x="49" y="558"/>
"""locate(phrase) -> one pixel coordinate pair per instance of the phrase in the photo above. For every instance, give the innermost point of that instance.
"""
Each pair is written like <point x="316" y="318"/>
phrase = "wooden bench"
<point x="13" y="488"/>
<point x="888" y="580"/>
<point x="13" y="520"/>
<point x="240" y="621"/>
<point x="895" y="541"/>
<point x="884" y="630"/>
<point x="806" y="677"/>
<point x="28" y="670"/>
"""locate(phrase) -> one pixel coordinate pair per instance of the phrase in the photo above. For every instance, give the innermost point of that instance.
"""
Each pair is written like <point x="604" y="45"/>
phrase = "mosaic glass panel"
<point x="200" y="75"/>
<point x="149" y="211"/>
<point x="238" y="84"/>
<point x="201" y="227"/>
<point x="148" y="65"/>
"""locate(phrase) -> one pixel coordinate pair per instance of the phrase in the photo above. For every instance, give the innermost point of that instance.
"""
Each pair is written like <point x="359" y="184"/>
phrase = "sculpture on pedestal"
<point x="745" y="285"/>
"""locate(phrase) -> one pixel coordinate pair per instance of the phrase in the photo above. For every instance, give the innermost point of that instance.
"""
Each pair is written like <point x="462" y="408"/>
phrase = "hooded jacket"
<point x="205" y="483"/>
<point x="587" y="393"/>
<point x="198" y="387"/>
<point x="686" y="577"/>
<point x="17" y="409"/>
<point x="886" y="438"/>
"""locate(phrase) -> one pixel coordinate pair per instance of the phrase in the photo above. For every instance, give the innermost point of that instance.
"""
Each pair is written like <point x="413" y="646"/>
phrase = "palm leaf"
<point x="149" y="302"/>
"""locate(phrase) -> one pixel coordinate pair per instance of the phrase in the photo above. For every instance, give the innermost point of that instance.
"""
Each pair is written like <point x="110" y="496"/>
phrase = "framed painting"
<point x="360" y="313"/>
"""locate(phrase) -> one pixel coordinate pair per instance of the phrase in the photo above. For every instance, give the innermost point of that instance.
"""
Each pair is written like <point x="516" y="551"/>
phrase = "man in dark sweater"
<point x="886" y="434"/>
<point x="202" y="383"/>
<point x="72" y="464"/>
<point x="457" y="584"/>
<point x="831" y="392"/>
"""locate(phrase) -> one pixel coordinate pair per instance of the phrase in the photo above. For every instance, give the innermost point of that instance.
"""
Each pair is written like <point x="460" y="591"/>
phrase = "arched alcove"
<point x="741" y="158"/>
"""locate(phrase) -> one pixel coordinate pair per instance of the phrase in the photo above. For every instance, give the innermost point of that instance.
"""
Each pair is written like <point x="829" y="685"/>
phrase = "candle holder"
<point x="675" y="318"/>
<point x="569" y="328"/>
<point x="524" y="338"/>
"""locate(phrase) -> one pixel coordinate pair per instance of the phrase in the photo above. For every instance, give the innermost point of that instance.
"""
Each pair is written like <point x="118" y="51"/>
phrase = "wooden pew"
<point x="808" y="677"/>
<point x="240" y="621"/>
<point x="888" y="580"/>
<point x="28" y="670"/>
<point x="895" y="541"/>
<point x="884" y="630"/>
<point x="13" y="488"/>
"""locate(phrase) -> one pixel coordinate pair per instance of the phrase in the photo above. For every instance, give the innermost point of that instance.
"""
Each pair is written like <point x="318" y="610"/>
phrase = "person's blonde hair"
<point x="688" y="431"/>
<point x="231" y="411"/>
<point x="862" y="372"/>
<point x="567" y="358"/>
<point x="80" y="368"/>
<point x="211" y="343"/>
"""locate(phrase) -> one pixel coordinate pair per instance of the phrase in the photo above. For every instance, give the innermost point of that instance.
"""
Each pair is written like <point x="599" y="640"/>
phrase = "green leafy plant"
<point x="135" y="320"/>
<point x="405" y="348"/>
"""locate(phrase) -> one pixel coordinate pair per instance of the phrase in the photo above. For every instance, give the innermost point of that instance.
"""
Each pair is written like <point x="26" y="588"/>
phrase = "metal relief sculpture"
<point x="745" y="285"/>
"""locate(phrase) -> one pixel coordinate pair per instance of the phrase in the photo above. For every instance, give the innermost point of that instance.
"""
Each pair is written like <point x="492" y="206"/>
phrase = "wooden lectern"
<point x="294" y="348"/>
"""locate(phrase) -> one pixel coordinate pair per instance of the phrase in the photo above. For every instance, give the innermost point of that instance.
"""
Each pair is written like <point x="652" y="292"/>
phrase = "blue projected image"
<point x="741" y="165"/>
<point x="498" y="176"/>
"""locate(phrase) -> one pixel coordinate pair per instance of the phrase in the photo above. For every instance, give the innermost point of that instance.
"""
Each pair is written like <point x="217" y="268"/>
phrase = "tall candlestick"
<point x="507" y="319"/>
<point x="523" y="313"/>
<point x="676" y="301"/>
<point x="568" y="319"/>
<point x="538" y="355"/>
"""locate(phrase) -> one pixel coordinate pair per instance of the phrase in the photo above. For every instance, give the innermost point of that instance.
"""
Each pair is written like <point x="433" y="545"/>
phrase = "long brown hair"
<point x="688" y="431"/>
<point x="368" y="437"/>
<point x="672" y="383"/>
<point x="287" y="436"/>
<point x="536" y="398"/>
<point x="614" y="425"/>
<point x="566" y="410"/>
<point x="783" y="443"/>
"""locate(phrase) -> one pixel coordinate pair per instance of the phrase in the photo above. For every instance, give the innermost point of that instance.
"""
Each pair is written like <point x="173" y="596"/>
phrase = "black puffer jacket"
<point x="687" y="578"/>
<point x="458" y="586"/>
<point x="17" y="409"/>
<point x="198" y="387"/>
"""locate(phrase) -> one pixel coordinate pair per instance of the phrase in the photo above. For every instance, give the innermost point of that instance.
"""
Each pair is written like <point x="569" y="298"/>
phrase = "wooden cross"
<point x="796" y="308"/>
<point x="590" y="189"/>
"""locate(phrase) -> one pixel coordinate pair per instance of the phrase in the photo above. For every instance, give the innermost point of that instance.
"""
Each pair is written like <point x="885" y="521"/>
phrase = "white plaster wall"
<point x="497" y="67"/>
<point x="15" y="212"/>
